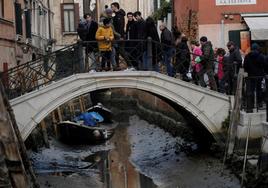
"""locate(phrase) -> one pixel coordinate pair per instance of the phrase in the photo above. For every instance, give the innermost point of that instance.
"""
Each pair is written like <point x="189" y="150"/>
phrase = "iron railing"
<point x="34" y="74"/>
<point x="78" y="58"/>
<point x="85" y="56"/>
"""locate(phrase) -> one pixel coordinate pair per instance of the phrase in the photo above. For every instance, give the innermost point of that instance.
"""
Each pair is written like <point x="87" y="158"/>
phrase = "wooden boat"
<point x="77" y="132"/>
<point x="103" y="111"/>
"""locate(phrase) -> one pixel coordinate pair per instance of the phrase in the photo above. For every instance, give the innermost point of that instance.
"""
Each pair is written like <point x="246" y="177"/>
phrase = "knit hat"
<point x="255" y="46"/>
<point x="204" y="39"/>
<point x="106" y="21"/>
<point x="108" y="11"/>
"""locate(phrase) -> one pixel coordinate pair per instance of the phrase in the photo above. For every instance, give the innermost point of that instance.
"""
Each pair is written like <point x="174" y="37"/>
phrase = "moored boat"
<point x="75" y="132"/>
<point x="93" y="126"/>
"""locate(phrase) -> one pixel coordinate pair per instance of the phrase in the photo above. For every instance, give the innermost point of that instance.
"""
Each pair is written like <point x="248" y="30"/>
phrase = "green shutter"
<point x="235" y="37"/>
<point x="18" y="12"/>
<point x="28" y="24"/>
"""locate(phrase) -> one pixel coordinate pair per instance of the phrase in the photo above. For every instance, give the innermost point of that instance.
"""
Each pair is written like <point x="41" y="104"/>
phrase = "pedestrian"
<point x="119" y="27"/>
<point x="167" y="42"/>
<point x="207" y="60"/>
<point x="231" y="67"/>
<point x="87" y="32"/>
<point x="130" y="36"/>
<point x="118" y="19"/>
<point x="195" y="63"/>
<point x="140" y="35"/>
<point x="183" y="58"/>
<point x="140" y="26"/>
<point x="254" y="65"/>
<point x="220" y="53"/>
<point x="108" y="13"/>
<point x="105" y="36"/>
<point x="151" y="32"/>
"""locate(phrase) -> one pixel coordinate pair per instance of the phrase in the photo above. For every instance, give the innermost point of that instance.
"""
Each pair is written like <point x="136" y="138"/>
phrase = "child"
<point x="196" y="65"/>
<point x="104" y="36"/>
<point x="220" y="56"/>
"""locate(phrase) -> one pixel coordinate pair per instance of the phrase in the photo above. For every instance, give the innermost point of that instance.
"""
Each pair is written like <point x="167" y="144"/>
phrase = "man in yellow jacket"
<point x="105" y="36"/>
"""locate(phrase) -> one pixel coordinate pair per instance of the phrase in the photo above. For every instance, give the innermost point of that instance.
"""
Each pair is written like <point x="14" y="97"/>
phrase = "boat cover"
<point x="89" y="118"/>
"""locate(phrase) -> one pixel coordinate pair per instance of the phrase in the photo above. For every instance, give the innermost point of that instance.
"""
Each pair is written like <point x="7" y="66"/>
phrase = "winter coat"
<point x="104" y="37"/>
<point x="140" y="29"/>
<point x="119" y="22"/>
<point x="208" y="55"/>
<point x="197" y="52"/>
<point x="88" y="33"/>
<point x="254" y="63"/>
<point x="131" y="30"/>
<point x="234" y="61"/>
<point x="151" y="31"/>
<point x="167" y="38"/>
<point x="220" y="72"/>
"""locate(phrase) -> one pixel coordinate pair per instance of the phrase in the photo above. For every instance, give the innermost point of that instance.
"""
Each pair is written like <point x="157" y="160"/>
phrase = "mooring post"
<point x="149" y="54"/>
<point x="266" y="96"/>
<point x="59" y="113"/>
<point x="44" y="132"/>
<point x="54" y="122"/>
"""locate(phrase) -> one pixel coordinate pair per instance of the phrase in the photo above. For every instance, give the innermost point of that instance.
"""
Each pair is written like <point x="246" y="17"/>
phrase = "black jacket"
<point x="167" y="38"/>
<point x="119" y="22"/>
<point x="234" y="61"/>
<point x="88" y="34"/>
<point x="85" y="33"/>
<point x="131" y="30"/>
<point x="140" y="29"/>
<point x="254" y="63"/>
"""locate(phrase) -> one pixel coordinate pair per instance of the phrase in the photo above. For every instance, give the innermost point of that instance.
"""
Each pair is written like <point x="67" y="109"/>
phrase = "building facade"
<point x="223" y="20"/>
<point x="67" y="14"/>
<point x="144" y="6"/>
<point x="7" y="35"/>
<point x="25" y="31"/>
<point x="42" y="19"/>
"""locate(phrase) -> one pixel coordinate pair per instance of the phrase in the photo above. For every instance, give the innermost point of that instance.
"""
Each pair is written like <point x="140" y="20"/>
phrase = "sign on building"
<point x="235" y="2"/>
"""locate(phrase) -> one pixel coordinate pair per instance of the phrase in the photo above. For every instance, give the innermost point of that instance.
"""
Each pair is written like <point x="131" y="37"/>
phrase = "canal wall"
<point x="253" y="125"/>
<point x="155" y="110"/>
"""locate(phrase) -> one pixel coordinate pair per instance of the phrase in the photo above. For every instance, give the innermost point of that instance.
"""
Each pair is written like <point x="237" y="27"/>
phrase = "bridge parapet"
<point x="209" y="107"/>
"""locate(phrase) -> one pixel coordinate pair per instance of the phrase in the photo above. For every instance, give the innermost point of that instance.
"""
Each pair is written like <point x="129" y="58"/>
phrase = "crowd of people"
<point x="197" y="61"/>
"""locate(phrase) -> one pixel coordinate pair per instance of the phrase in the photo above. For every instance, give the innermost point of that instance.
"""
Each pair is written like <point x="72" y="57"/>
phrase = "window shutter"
<point x="76" y="15"/>
<point x="62" y="17"/>
<point x="28" y="24"/>
<point x="18" y="18"/>
<point x="234" y="35"/>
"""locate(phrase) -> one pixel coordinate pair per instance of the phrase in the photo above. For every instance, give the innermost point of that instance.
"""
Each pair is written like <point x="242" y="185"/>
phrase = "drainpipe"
<point x="49" y="19"/>
<point x="222" y="34"/>
<point x="138" y="5"/>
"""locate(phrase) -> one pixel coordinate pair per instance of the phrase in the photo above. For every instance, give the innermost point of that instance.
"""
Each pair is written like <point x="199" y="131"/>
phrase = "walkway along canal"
<point x="140" y="155"/>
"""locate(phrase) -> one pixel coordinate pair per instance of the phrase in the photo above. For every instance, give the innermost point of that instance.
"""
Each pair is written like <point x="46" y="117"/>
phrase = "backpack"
<point x="82" y="31"/>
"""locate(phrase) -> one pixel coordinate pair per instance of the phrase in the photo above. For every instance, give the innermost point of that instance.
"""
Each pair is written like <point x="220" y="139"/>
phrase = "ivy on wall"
<point x="161" y="13"/>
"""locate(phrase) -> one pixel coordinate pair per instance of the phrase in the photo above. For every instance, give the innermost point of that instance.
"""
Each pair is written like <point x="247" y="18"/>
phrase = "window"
<point x="1" y="8"/>
<point x="68" y="18"/>
<point x="18" y="12"/>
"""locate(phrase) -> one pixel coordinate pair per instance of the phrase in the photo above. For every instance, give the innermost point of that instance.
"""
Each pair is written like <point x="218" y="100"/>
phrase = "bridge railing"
<point x="35" y="74"/>
<point x="78" y="58"/>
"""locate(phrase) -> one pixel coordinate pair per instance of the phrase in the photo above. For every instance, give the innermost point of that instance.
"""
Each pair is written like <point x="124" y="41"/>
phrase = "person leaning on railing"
<point x="254" y="64"/>
<point x="105" y="36"/>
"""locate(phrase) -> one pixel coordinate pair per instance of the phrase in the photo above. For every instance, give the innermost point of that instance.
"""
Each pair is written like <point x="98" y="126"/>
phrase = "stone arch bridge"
<point x="209" y="107"/>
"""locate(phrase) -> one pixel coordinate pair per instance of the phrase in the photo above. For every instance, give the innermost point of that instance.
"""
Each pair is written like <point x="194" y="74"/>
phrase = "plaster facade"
<point x="213" y="20"/>
<point x="64" y="38"/>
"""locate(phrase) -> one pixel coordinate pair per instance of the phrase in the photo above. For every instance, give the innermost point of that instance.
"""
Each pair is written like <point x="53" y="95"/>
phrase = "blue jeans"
<point x="168" y="54"/>
<point x="113" y="54"/>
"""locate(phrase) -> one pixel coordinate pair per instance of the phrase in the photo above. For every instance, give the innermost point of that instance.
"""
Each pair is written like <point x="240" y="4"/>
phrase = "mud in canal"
<point x="139" y="155"/>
